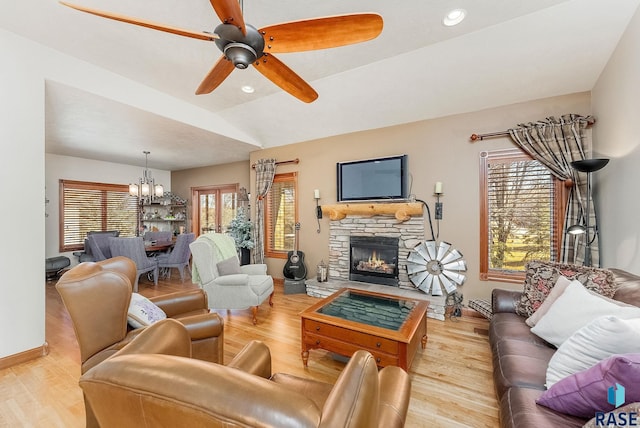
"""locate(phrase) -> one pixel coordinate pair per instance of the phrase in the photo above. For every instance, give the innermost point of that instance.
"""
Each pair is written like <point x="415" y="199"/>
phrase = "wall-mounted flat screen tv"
<point x="373" y="179"/>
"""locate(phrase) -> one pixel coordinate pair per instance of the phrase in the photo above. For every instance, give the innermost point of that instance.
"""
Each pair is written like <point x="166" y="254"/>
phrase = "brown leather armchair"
<point x="169" y="391"/>
<point x="97" y="297"/>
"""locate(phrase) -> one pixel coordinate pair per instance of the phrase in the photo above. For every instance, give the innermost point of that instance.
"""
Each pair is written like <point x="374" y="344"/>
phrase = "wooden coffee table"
<point x="387" y="326"/>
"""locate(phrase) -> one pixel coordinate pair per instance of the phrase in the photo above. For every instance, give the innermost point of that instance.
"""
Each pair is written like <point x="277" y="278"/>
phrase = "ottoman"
<point x="54" y="265"/>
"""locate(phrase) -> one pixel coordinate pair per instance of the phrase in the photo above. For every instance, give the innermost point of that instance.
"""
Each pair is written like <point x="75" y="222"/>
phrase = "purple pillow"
<point x="584" y="393"/>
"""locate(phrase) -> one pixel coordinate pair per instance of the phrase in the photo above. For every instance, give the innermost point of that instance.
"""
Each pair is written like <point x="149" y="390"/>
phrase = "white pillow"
<point x="143" y="312"/>
<point x="575" y="308"/>
<point x="561" y="284"/>
<point x="600" y="339"/>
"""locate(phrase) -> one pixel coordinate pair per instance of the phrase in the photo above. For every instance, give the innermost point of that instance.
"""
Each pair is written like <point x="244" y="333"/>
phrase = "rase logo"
<point x="615" y="397"/>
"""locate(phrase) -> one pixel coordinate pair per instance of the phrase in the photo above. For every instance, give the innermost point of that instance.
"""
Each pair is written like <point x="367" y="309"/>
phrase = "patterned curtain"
<point x="265" y="171"/>
<point x="556" y="143"/>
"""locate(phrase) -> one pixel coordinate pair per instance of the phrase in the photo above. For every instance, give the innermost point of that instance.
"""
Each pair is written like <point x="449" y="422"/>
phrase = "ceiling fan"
<point x="242" y="44"/>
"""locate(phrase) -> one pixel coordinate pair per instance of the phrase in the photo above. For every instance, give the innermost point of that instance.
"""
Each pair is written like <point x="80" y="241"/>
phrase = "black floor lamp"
<point x="589" y="166"/>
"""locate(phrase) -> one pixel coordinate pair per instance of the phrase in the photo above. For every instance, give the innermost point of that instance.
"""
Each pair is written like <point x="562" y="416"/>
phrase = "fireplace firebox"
<point x="374" y="259"/>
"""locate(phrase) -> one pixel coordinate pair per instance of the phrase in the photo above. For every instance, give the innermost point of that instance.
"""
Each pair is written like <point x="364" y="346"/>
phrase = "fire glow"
<point x="375" y="264"/>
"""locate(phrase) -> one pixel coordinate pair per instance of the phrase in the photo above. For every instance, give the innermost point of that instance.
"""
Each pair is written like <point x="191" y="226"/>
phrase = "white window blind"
<point x="87" y="206"/>
<point x="281" y="214"/>
<point x="520" y="199"/>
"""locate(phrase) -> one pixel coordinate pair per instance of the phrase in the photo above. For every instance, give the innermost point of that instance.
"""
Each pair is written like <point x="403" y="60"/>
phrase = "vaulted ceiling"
<point x="505" y="52"/>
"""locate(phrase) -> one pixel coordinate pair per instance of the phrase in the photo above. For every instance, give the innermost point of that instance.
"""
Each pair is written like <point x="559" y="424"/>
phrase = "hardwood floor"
<point x="451" y="379"/>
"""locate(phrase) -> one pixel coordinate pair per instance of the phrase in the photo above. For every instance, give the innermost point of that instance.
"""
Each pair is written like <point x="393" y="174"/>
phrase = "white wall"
<point x="70" y="168"/>
<point x="26" y="67"/>
<point x="22" y="256"/>
<point x="439" y="150"/>
<point x="616" y="106"/>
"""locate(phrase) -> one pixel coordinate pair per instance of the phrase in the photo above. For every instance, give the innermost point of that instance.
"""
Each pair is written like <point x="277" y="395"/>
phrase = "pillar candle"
<point x="316" y="194"/>
<point x="438" y="188"/>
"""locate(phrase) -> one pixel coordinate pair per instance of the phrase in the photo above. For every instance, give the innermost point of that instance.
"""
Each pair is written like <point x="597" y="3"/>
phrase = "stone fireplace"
<point x="383" y="226"/>
<point x="408" y="234"/>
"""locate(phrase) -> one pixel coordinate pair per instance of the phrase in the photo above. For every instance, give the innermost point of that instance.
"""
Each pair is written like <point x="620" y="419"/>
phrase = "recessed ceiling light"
<point x="247" y="89"/>
<point x="454" y="17"/>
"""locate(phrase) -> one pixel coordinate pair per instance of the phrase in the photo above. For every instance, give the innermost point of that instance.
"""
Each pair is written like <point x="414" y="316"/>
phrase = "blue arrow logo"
<point x="615" y="395"/>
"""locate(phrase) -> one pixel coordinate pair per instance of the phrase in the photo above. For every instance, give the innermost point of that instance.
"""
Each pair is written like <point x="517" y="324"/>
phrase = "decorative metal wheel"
<point x="434" y="268"/>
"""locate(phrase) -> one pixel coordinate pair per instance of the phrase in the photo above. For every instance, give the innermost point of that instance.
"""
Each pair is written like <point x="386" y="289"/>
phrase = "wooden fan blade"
<point x="321" y="33"/>
<point x="216" y="76"/>
<point x="285" y="78"/>
<point x="144" y="23"/>
<point x="229" y="12"/>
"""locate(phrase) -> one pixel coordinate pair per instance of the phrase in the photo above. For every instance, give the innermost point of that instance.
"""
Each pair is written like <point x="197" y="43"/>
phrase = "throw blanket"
<point x="224" y="247"/>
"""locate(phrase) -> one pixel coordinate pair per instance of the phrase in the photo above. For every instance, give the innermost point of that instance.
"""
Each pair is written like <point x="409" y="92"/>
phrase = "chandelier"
<point x="146" y="190"/>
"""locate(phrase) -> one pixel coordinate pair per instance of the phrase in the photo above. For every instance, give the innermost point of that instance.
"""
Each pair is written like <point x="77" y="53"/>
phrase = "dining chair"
<point x="133" y="248"/>
<point x="178" y="257"/>
<point x="97" y="245"/>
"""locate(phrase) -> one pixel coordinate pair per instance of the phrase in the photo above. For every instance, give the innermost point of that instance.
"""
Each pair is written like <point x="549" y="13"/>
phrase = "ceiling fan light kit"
<point x="241" y="49"/>
<point x="242" y="44"/>
<point x="240" y="55"/>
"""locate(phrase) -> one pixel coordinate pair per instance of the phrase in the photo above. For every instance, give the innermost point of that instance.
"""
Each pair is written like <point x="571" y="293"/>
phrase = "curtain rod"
<point x="296" y="161"/>
<point x="481" y="137"/>
<point x="475" y="137"/>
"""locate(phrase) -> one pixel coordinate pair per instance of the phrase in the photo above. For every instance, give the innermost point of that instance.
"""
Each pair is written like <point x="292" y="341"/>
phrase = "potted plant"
<point x="240" y="229"/>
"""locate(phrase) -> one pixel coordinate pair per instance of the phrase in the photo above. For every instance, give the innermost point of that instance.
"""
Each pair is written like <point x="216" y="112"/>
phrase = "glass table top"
<point x="377" y="311"/>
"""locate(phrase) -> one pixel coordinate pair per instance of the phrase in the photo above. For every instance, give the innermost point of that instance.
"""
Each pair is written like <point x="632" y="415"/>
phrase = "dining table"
<point x="155" y="247"/>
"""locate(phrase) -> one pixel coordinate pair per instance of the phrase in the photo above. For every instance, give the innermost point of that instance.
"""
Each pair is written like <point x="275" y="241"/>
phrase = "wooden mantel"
<point x="400" y="210"/>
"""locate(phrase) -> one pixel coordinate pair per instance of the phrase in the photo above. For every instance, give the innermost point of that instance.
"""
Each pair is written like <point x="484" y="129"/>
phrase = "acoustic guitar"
<point x="295" y="268"/>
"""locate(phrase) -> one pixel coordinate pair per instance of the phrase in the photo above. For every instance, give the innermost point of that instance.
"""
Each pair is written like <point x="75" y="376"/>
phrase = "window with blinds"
<point x="89" y="206"/>
<point x="281" y="214"/>
<point x="519" y="221"/>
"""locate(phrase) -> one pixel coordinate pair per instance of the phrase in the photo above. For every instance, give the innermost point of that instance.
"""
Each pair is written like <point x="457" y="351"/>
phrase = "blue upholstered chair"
<point x="96" y="245"/>
<point x="178" y="257"/>
<point x="158" y="236"/>
<point x="133" y="248"/>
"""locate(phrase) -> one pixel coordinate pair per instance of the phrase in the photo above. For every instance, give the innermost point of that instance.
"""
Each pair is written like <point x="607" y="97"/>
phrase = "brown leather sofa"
<point x="520" y="359"/>
<point x="169" y="391"/>
<point x="97" y="297"/>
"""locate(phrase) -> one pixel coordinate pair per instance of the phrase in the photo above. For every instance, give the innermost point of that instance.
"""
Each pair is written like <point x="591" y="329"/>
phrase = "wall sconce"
<point x="438" y="192"/>
<point x="589" y="166"/>
<point x="316" y="196"/>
